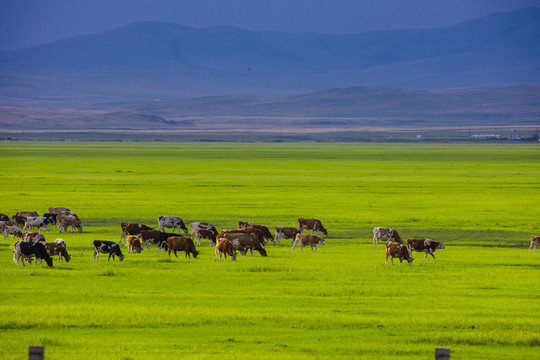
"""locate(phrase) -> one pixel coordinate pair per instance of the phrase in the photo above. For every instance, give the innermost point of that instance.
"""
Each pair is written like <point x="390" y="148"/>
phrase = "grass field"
<point x="480" y="297"/>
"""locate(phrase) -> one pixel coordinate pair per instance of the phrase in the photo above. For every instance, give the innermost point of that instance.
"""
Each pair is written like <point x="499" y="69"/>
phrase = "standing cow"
<point x="225" y="247"/>
<point x="424" y="245"/>
<point x="313" y="225"/>
<point x="132" y="229"/>
<point x="181" y="243"/>
<point x="173" y="222"/>
<point x="243" y="241"/>
<point x="387" y="234"/>
<point x="133" y="244"/>
<point x="395" y="249"/>
<point x="286" y="232"/>
<point x="107" y="247"/>
<point x="308" y="239"/>
<point x="63" y="221"/>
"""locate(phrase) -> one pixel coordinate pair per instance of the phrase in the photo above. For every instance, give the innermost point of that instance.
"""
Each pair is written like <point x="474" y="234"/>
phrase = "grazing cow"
<point x="57" y="210"/>
<point x="258" y="233"/>
<point x="427" y="245"/>
<point x="12" y="230"/>
<point x="535" y="240"/>
<point x="395" y="249"/>
<point x="225" y="247"/>
<point x="36" y="221"/>
<point x="58" y="248"/>
<point x="133" y="244"/>
<point x="173" y="222"/>
<point x="286" y="233"/>
<point x="307" y="239"/>
<point x="63" y="221"/>
<point x="209" y="234"/>
<point x="51" y="218"/>
<point x="387" y="234"/>
<point x="181" y="243"/>
<point x="107" y="247"/>
<point x="4" y="217"/>
<point x="27" y="213"/>
<point x="313" y="225"/>
<point x="200" y="225"/>
<point x="243" y="242"/>
<point x="18" y="220"/>
<point x="28" y="250"/>
<point x="264" y="232"/>
<point x="33" y="237"/>
<point x="132" y="229"/>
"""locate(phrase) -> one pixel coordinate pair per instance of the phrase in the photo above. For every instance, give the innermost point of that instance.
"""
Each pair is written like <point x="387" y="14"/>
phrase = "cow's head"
<point x="233" y="256"/>
<point x="410" y="260"/>
<point x="440" y="245"/>
<point x="121" y="257"/>
<point x="323" y="230"/>
<point x="321" y="241"/>
<point x="263" y="252"/>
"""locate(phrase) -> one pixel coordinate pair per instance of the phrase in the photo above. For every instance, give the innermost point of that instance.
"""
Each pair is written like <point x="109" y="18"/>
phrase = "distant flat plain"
<point x="479" y="297"/>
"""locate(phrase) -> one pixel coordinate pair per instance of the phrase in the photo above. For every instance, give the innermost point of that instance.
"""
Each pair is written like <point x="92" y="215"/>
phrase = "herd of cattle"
<point x="247" y="237"/>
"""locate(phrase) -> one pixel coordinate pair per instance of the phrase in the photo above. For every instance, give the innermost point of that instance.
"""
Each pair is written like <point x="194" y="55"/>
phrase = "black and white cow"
<point x="36" y="221"/>
<point x="12" y="230"/>
<point x="27" y="250"/>
<point x="107" y="247"/>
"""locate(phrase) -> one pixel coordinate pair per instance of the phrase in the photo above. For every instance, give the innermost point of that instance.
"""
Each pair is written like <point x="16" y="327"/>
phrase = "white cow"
<point x="173" y="222"/>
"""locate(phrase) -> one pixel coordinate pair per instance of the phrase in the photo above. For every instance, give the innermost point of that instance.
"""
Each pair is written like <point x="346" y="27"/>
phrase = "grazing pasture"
<point x="480" y="297"/>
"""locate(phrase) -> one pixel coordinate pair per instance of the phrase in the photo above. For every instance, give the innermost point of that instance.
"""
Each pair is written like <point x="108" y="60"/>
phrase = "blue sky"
<point x="31" y="22"/>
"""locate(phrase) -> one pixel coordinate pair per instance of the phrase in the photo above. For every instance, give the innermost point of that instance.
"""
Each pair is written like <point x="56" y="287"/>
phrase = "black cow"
<point x="107" y="247"/>
<point x="28" y="250"/>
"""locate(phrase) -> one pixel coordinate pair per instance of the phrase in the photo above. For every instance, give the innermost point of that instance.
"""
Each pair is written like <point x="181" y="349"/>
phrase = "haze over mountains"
<point x="142" y="62"/>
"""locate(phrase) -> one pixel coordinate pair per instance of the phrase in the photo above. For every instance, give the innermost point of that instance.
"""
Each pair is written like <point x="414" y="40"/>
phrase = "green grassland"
<point x="480" y="297"/>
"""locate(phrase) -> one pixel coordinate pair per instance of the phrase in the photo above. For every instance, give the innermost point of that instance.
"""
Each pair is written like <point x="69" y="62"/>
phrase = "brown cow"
<point x="132" y="229"/>
<point x="243" y="242"/>
<point x="181" y="243"/>
<point x="18" y="220"/>
<point x="387" y="234"/>
<point x="286" y="233"/>
<point x="395" y="249"/>
<point x="266" y="235"/>
<point x="535" y="240"/>
<point x="307" y="239"/>
<point x="57" y="210"/>
<point x="58" y="248"/>
<point x="313" y="225"/>
<point x="149" y="237"/>
<point x="63" y="221"/>
<point x="225" y="247"/>
<point x="133" y="244"/>
<point x="427" y="245"/>
<point x="27" y="213"/>
<point x="209" y="234"/>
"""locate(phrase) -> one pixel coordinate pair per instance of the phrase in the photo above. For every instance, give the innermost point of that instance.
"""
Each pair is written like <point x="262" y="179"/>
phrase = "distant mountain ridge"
<point x="151" y="60"/>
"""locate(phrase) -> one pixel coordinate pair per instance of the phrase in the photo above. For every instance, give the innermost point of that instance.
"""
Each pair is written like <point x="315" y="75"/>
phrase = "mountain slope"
<point x="157" y="60"/>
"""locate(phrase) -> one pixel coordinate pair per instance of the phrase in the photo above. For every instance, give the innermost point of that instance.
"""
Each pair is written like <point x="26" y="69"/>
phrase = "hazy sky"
<point x="31" y="22"/>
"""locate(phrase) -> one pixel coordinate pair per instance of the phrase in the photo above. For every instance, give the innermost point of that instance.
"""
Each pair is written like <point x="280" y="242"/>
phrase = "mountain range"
<point x="166" y="71"/>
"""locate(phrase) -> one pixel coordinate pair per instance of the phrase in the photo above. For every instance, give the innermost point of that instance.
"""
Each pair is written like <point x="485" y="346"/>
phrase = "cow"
<point x="311" y="224"/>
<point x="132" y="229"/>
<point x="286" y="233"/>
<point x="149" y="237"/>
<point x="12" y="230"/>
<point x="427" y="245"/>
<point x="51" y="218"/>
<point x="107" y="247"/>
<point x="58" y="248"/>
<point x="181" y="243"/>
<point x="18" y="220"/>
<point x="387" y="234"/>
<point x="28" y="250"/>
<point x="63" y="221"/>
<point x="57" y="210"/>
<point x="243" y="242"/>
<point x="257" y="232"/>
<point x="395" y="249"/>
<point x="264" y="232"/>
<point x="33" y="237"/>
<point x="200" y="225"/>
<point x="173" y="222"/>
<point x="535" y="241"/>
<point x="307" y="239"/>
<point x="225" y="247"/>
<point x="27" y="213"/>
<point x="36" y="221"/>
<point x="133" y="244"/>
<point x="210" y="234"/>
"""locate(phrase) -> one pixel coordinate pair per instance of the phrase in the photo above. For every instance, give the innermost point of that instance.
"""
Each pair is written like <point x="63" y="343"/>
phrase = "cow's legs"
<point x="433" y="255"/>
